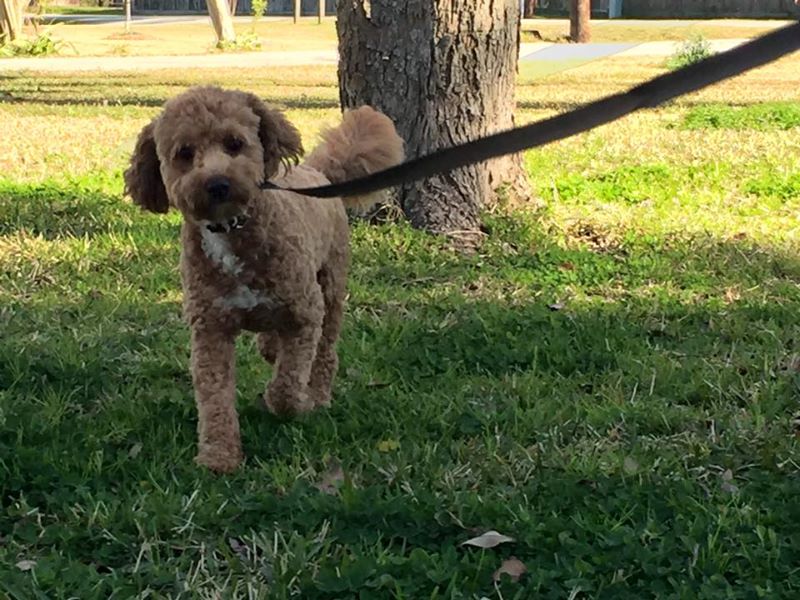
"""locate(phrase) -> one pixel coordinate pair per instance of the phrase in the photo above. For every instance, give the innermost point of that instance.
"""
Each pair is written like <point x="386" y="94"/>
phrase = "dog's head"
<point x="206" y="153"/>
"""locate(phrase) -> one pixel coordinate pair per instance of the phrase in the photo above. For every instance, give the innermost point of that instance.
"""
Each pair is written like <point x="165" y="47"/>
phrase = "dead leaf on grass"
<point x="26" y="565"/>
<point x="135" y="450"/>
<point x="727" y="483"/>
<point x="630" y="465"/>
<point x="512" y="567"/>
<point x="239" y="548"/>
<point x="332" y="478"/>
<point x="490" y="539"/>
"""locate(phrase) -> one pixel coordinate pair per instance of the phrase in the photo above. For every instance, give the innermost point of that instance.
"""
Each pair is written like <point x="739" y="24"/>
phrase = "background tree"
<point x="11" y="15"/>
<point x="530" y="8"/>
<point x="580" y="21"/>
<point x="220" y="14"/>
<point x="444" y="71"/>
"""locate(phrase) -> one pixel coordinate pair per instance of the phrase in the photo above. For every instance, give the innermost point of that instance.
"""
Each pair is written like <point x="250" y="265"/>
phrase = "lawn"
<point x="196" y="37"/>
<point x="612" y="380"/>
<point x="280" y="34"/>
<point x="623" y="30"/>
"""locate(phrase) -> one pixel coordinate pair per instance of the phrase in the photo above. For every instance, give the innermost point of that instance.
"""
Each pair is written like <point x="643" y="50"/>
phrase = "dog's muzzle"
<point x="232" y="224"/>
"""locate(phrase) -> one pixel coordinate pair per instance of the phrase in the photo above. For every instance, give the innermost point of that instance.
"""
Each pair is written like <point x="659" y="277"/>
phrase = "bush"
<point x="41" y="45"/>
<point x="247" y="41"/>
<point x="691" y="51"/>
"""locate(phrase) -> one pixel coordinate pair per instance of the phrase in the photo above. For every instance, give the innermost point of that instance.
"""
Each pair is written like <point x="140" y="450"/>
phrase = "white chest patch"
<point x="244" y="298"/>
<point x="217" y="248"/>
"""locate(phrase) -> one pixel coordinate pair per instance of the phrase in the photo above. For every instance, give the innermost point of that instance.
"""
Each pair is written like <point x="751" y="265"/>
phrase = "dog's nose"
<point x="218" y="188"/>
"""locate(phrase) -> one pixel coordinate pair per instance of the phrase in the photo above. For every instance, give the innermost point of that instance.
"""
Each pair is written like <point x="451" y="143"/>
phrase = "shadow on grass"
<point x="107" y="377"/>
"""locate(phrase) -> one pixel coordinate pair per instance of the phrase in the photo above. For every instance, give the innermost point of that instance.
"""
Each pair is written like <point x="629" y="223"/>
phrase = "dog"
<point x="271" y="262"/>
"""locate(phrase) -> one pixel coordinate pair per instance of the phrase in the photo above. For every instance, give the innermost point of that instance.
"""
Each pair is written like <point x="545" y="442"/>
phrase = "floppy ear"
<point x="279" y="138"/>
<point x="143" y="177"/>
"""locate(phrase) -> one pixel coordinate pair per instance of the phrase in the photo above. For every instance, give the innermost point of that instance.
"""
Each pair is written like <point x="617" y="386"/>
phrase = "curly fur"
<point x="282" y="274"/>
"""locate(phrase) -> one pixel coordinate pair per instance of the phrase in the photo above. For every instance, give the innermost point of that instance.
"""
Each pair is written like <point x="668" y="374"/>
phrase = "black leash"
<point x="714" y="69"/>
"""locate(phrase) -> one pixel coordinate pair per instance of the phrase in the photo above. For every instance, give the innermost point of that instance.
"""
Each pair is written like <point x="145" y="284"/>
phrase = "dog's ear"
<point x="279" y="138"/>
<point x="143" y="177"/>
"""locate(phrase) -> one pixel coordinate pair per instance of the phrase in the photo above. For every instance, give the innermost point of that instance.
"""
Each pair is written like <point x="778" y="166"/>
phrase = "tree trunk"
<point x="127" y="16"/>
<point x="11" y="15"/>
<point x="221" y="19"/>
<point x="580" y="15"/>
<point x="444" y="71"/>
<point x="530" y="8"/>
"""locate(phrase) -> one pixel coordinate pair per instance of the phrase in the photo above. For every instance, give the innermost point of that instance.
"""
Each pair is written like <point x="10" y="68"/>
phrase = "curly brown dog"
<point x="270" y="262"/>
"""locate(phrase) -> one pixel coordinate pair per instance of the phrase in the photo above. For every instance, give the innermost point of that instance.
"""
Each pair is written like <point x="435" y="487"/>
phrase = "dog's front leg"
<point x="213" y="371"/>
<point x="287" y="394"/>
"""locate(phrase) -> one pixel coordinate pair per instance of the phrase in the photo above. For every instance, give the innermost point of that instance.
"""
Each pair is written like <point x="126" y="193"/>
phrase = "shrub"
<point x="691" y="51"/>
<point x="41" y="45"/>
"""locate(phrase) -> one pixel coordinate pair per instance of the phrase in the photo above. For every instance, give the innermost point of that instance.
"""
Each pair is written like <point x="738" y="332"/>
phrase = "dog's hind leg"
<point x="327" y="361"/>
<point x="219" y="446"/>
<point x="287" y="393"/>
<point x="269" y="345"/>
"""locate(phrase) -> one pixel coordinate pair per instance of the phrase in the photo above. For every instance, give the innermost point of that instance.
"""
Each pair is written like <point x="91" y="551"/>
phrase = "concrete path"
<point x="539" y="51"/>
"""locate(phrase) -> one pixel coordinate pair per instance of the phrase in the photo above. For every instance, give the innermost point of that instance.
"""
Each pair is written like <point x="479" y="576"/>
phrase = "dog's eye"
<point x="233" y="145"/>
<point x="185" y="153"/>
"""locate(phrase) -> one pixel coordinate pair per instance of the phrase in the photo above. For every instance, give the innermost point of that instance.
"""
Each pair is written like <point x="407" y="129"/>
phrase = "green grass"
<point x="611" y="380"/>
<point x="82" y="10"/>
<point x="773" y="115"/>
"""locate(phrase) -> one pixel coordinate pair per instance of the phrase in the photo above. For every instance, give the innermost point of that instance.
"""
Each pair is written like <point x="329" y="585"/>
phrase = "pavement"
<point x="542" y="51"/>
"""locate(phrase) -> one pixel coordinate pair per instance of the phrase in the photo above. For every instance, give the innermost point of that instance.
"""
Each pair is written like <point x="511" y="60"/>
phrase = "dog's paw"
<point x="219" y="459"/>
<point x="319" y="399"/>
<point x="287" y="406"/>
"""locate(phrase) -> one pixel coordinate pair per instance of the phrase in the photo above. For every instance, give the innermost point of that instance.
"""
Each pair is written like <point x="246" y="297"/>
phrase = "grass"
<point x="280" y="34"/>
<point x="608" y="31"/>
<point x="769" y="115"/>
<point x="83" y="10"/>
<point x="167" y="39"/>
<point x="611" y="380"/>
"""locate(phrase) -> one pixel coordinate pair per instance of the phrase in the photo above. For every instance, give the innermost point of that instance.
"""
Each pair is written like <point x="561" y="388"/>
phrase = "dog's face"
<point x="206" y="153"/>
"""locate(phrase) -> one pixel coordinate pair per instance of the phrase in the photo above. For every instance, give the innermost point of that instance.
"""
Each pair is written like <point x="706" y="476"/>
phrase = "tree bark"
<point x="221" y="19"/>
<point x="444" y="71"/>
<point x="11" y="16"/>
<point x="530" y="8"/>
<point x="580" y="19"/>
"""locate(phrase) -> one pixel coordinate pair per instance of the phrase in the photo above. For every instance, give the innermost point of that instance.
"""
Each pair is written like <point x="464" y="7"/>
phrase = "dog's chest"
<point x="217" y="248"/>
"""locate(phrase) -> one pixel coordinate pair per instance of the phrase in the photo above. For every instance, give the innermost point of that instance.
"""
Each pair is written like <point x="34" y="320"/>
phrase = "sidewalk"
<point x="543" y="51"/>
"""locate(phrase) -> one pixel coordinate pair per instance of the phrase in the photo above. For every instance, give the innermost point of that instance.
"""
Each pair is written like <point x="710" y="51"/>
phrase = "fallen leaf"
<point x="566" y="266"/>
<point x="26" y="565"/>
<point x="388" y="445"/>
<point x="332" y="479"/>
<point x="630" y="465"/>
<point x="490" y="539"/>
<point x="732" y="295"/>
<point x="512" y="567"/>
<point x="239" y="548"/>
<point x="135" y="450"/>
<point x="727" y="483"/>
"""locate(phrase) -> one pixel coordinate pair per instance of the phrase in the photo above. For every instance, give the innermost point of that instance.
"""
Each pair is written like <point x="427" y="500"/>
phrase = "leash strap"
<point x="714" y="69"/>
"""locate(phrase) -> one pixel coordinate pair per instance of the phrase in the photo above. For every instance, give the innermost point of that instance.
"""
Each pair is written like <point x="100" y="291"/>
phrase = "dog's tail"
<point x="365" y="142"/>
